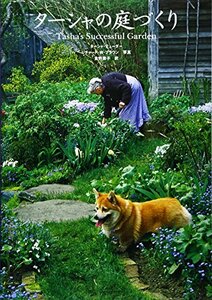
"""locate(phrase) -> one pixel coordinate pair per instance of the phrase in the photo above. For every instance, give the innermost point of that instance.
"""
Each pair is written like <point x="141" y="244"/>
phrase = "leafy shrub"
<point x="49" y="174"/>
<point x="190" y="144"/>
<point x="198" y="90"/>
<point x="24" y="244"/>
<point x="20" y="176"/>
<point x="36" y="121"/>
<point x="91" y="145"/>
<point x="147" y="186"/>
<point x="60" y="62"/>
<point x="18" y="81"/>
<point x="188" y="252"/>
<point x="13" y="176"/>
<point x="200" y="200"/>
<point x="167" y="109"/>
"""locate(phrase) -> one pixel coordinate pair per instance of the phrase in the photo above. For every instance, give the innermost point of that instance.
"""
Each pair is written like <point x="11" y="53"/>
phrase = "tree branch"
<point x="8" y="19"/>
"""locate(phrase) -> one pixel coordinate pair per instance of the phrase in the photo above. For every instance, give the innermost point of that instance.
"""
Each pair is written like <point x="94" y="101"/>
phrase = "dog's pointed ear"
<point x="112" y="197"/>
<point x="96" y="193"/>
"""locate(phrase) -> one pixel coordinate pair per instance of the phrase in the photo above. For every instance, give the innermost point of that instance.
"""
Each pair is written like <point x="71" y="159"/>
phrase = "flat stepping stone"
<point x="51" y="189"/>
<point x="55" y="210"/>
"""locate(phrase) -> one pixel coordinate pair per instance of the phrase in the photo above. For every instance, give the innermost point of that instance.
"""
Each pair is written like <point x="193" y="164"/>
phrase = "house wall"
<point x="26" y="49"/>
<point x="184" y="52"/>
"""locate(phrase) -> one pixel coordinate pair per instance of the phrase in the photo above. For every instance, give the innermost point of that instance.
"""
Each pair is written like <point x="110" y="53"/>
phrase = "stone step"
<point x="54" y="210"/>
<point x="54" y="188"/>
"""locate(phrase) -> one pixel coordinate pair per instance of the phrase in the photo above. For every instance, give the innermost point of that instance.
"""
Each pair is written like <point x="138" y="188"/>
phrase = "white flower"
<point x="36" y="268"/>
<point x="78" y="152"/>
<point x="10" y="163"/>
<point x="139" y="134"/>
<point x="15" y="163"/>
<point x="36" y="244"/>
<point x="76" y="125"/>
<point x="207" y="108"/>
<point x="4" y="163"/>
<point x="161" y="150"/>
<point x="70" y="104"/>
<point x="111" y="152"/>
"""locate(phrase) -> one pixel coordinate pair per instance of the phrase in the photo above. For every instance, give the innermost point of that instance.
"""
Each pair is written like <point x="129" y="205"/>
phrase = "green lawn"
<point x="83" y="264"/>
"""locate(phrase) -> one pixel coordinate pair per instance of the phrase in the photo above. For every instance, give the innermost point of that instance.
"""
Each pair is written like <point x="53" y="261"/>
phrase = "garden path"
<point x="57" y="210"/>
<point x="54" y="210"/>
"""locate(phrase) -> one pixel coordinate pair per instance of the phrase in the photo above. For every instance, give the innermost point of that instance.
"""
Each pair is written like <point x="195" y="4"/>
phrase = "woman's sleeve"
<point x="108" y="107"/>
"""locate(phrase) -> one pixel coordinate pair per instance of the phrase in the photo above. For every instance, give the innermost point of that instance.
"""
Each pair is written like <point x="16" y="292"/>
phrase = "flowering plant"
<point x="206" y="108"/>
<point x="24" y="244"/>
<point x="10" y="163"/>
<point x="9" y="289"/>
<point x="161" y="150"/>
<point x="78" y="106"/>
<point x="12" y="174"/>
<point x="92" y="145"/>
<point x="187" y="250"/>
<point x="38" y="121"/>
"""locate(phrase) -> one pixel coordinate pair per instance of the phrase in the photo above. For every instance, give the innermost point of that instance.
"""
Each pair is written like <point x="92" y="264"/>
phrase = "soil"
<point x="150" y="274"/>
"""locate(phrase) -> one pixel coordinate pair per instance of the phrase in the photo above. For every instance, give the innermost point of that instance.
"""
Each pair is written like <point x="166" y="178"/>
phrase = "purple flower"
<point x="81" y="106"/>
<point x="207" y="108"/>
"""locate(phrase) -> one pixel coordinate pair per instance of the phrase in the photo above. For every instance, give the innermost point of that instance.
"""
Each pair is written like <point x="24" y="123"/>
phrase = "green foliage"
<point x="24" y="244"/>
<point x="190" y="144"/>
<point x="146" y="186"/>
<point x="136" y="153"/>
<point x="59" y="63"/>
<point x="18" y="82"/>
<point x="48" y="174"/>
<point x="198" y="90"/>
<point x="49" y="155"/>
<point x="194" y="244"/>
<point x="206" y="83"/>
<point x="186" y="252"/>
<point x="36" y="123"/>
<point x="194" y="241"/>
<point x="167" y="109"/>
<point x="13" y="176"/>
<point x="13" y="202"/>
<point x="93" y="145"/>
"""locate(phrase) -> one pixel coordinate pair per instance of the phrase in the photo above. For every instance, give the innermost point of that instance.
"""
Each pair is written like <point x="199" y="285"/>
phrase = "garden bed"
<point x="151" y="275"/>
<point x="61" y="140"/>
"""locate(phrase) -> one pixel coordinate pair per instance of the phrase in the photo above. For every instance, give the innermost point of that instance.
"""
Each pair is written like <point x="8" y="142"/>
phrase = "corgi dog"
<point x="128" y="221"/>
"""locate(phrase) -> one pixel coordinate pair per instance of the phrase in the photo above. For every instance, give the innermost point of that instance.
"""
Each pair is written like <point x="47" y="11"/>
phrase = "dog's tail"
<point x="187" y="217"/>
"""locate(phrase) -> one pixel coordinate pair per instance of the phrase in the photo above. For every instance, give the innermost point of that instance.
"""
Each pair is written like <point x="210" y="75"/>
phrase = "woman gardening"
<point x="124" y="92"/>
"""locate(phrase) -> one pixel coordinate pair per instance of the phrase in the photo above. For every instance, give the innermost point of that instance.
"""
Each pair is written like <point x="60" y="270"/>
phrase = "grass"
<point x="138" y="153"/>
<point x="84" y="266"/>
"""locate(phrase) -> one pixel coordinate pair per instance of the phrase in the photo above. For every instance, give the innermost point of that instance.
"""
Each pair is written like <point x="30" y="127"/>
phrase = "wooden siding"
<point x="171" y="66"/>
